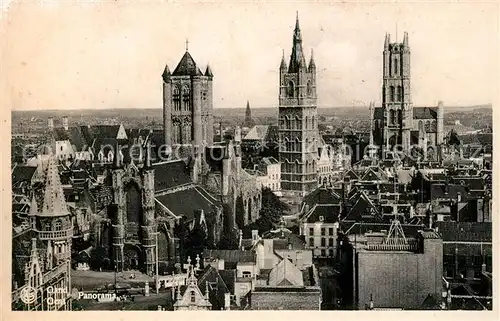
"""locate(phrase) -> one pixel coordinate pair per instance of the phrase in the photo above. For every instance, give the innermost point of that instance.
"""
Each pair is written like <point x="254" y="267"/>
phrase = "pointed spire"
<point x="54" y="203"/>
<point x="208" y="71"/>
<point x="297" y="60"/>
<point x="166" y="73"/>
<point x="312" y="64"/>
<point x="33" y="206"/>
<point x="405" y="40"/>
<point x="387" y="41"/>
<point x="283" y="62"/>
<point x="297" y="26"/>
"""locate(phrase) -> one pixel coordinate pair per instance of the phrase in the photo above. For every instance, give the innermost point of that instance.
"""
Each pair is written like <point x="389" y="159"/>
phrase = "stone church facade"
<point x="398" y="122"/>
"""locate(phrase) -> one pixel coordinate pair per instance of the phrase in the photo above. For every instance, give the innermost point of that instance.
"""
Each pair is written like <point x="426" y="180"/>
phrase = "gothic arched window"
<point x="400" y="93"/>
<point x="307" y="123"/>
<point x="399" y="116"/>
<point x="391" y="92"/>
<point x="309" y="88"/>
<point x="291" y="89"/>
<point x="395" y="64"/>
<point x="58" y="225"/>
<point x="177" y="98"/>
<point x="186" y="99"/>
<point x="392" y="116"/>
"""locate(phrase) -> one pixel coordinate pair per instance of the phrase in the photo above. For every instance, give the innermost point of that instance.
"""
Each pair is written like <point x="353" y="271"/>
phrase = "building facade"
<point x="298" y="123"/>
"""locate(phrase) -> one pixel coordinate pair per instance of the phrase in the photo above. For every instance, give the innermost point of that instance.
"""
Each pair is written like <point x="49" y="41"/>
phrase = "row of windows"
<point x="309" y="123"/>
<point x="323" y="231"/>
<point x="395" y="93"/>
<point x="323" y="241"/>
<point x="292" y="92"/>
<point x="330" y="252"/>
<point x="297" y="168"/>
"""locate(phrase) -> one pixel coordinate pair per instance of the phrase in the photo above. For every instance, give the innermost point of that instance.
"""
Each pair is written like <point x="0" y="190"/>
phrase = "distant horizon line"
<point x="244" y="107"/>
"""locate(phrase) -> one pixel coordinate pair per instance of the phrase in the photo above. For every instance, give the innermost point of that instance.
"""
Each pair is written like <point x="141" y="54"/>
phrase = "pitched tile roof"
<point x="187" y="67"/>
<point x="285" y="274"/>
<point x="23" y="173"/>
<point x="170" y="174"/>
<point x="186" y="202"/>
<point x="258" y="132"/>
<point x="328" y="213"/>
<point x="322" y="195"/>
<point x="230" y="256"/>
<point x="424" y="112"/>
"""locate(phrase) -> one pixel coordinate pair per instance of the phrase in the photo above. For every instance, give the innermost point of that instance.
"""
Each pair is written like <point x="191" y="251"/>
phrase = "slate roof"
<point x="330" y="213"/>
<point x="216" y="286"/>
<point x="465" y="231"/>
<point x="186" y="202"/>
<point x="285" y="274"/>
<point x="424" y="112"/>
<point x="22" y="173"/>
<point x="448" y="191"/>
<point x="187" y="67"/>
<point x="474" y="183"/>
<point x="230" y="256"/>
<point x="170" y="174"/>
<point x="322" y="195"/>
<point x="258" y="132"/>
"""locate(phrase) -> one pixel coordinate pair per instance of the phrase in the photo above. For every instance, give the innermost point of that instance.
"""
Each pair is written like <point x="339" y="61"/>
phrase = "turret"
<point x="387" y="41"/>
<point x="406" y="45"/>
<point x="283" y="65"/>
<point x="226" y="170"/>
<point x="208" y="72"/>
<point x="312" y="64"/>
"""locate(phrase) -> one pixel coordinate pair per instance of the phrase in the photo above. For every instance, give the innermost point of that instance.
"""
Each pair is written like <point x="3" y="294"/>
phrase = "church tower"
<point x="298" y="127"/>
<point x="54" y="231"/>
<point x="396" y="94"/>
<point x="187" y="104"/>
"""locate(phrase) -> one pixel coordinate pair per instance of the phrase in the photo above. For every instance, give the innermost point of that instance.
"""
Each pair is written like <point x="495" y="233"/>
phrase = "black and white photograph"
<point x="238" y="156"/>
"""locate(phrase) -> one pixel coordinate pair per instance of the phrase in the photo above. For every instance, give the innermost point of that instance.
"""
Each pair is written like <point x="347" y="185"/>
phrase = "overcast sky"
<point x="112" y="54"/>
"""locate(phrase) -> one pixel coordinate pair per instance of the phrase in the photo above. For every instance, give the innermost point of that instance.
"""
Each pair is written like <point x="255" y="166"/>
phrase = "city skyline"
<point x="118" y="52"/>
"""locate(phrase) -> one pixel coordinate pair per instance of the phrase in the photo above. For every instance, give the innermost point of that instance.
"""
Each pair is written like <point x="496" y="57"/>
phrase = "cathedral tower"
<point x="396" y="94"/>
<point x="298" y="127"/>
<point x="187" y="104"/>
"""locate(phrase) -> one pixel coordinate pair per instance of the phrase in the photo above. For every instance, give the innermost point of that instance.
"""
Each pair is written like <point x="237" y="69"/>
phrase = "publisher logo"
<point x="28" y="295"/>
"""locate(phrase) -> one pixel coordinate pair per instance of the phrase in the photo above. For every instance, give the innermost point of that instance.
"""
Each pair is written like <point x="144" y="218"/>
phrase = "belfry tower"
<point x="187" y="104"/>
<point x="396" y="94"/>
<point x="298" y="127"/>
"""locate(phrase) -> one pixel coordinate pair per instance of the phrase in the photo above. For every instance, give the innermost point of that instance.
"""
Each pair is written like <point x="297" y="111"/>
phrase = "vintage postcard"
<point x="249" y="156"/>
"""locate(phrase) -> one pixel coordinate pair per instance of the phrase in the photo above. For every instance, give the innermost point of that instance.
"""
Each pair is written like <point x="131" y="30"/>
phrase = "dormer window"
<point x="321" y="218"/>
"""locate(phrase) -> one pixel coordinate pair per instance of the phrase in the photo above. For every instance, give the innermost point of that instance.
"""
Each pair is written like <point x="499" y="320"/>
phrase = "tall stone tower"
<point x="298" y="127"/>
<point x="396" y="94"/>
<point x="54" y="230"/>
<point x="187" y="104"/>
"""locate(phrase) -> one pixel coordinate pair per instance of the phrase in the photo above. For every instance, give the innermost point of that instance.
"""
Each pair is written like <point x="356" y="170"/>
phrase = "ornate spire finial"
<point x="187" y="44"/>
